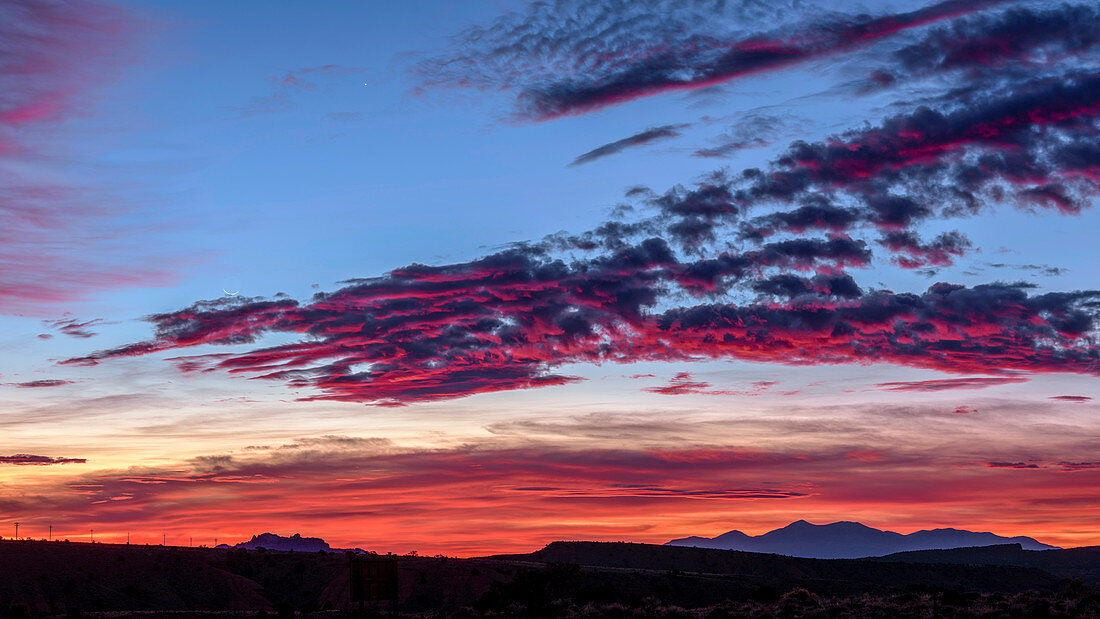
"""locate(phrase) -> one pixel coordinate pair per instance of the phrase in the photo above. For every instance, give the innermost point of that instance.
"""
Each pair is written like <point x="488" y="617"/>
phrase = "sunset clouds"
<point x="506" y="321"/>
<point x="448" y="493"/>
<point x="665" y="284"/>
<point x="672" y="58"/>
<point x="628" y="270"/>
<point x="53" y="58"/>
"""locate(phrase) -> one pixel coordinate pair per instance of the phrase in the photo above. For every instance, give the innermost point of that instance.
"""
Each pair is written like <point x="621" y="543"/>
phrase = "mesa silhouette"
<point x="851" y="540"/>
<point x="274" y="541"/>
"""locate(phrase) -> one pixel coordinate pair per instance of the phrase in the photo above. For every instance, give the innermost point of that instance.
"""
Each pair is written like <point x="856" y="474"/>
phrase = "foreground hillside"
<point x="51" y="578"/>
<point x="1082" y="563"/>
<point x="586" y="579"/>
<point x="699" y="570"/>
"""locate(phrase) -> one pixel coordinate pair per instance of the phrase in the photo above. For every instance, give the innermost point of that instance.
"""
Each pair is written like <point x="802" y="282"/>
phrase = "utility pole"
<point x="91" y="535"/>
<point x="17" y="530"/>
<point x="163" y="539"/>
<point x="51" y="532"/>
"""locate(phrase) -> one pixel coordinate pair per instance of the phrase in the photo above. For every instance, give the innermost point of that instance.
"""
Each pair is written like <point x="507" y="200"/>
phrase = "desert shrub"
<point x="675" y="612"/>
<point x="611" y="611"/>
<point x="796" y="602"/>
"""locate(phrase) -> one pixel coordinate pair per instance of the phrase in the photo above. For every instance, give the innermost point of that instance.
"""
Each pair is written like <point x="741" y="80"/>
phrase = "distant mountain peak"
<point x="274" y="541"/>
<point x="847" y="539"/>
<point x="735" y="534"/>
<point x="839" y="524"/>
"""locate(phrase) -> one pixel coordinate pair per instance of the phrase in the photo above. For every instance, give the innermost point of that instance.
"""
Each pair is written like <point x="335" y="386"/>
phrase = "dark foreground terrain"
<point x="564" y="579"/>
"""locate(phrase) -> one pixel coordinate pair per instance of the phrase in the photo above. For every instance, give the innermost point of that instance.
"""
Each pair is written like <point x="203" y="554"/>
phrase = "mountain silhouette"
<point x="271" y="541"/>
<point x="850" y="540"/>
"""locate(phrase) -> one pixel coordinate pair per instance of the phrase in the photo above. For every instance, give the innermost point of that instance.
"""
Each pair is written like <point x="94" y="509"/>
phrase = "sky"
<point x="467" y="278"/>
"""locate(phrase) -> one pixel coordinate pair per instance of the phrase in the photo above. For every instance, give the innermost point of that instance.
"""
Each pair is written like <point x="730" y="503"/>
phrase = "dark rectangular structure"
<point x="374" y="579"/>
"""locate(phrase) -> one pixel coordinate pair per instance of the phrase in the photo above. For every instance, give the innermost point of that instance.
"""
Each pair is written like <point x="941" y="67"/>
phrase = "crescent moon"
<point x="232" y="294"/>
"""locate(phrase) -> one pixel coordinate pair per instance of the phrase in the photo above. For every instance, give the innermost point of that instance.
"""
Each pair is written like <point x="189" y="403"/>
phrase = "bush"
<point x="797" y="602"/>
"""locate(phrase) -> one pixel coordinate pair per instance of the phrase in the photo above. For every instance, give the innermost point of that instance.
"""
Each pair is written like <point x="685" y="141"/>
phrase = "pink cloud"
<point x="54" y="57"/>
<point x="945" y="384"/>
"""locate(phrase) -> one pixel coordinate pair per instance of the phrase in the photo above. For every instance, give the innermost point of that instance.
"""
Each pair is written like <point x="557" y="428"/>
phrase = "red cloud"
<point x="506" y="321"/>
<point x="944" y="384"/>
<point x="866" y="455"/>
<point x="1071" y="398"/>
<point x="681" y="384"/>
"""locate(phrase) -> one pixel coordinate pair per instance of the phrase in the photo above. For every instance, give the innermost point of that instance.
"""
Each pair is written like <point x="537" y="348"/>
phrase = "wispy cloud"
<point x="751" y="129"/>
<point x="654" y="134"/>
<point x="1071" y="398"/>
<point x="683" y="383"/>
<point x="74" y="327"/>
<point x="53" y="56"/>
<point x="45" y="382"/>
<point x="29" y="459"/>
<point x="1012" y="465"/>
<point x="945" y="384"/>
<point x="1036" y="269"/>
<point x="284" y="88"/>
